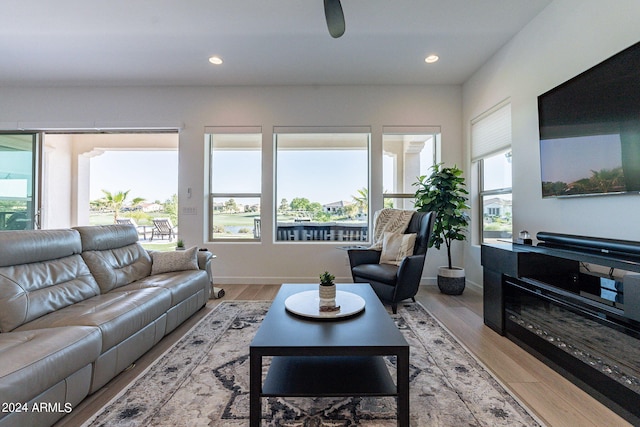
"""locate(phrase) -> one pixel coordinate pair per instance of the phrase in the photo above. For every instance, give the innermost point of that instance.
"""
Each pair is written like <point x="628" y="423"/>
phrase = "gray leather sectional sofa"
<point x="77" y="307"/>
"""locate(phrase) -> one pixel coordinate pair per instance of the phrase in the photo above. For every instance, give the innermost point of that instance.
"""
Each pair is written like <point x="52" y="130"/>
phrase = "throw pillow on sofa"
<point x="163" y="262"/>
<point x="396" y="246"/>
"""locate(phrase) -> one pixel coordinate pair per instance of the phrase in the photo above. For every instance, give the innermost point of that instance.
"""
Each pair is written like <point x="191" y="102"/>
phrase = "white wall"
<point x="193" y="108"/>
<point x="568" y="37"/>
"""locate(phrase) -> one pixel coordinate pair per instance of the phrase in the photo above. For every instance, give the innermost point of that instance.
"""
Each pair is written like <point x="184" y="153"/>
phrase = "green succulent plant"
<point x="326" y="279"/>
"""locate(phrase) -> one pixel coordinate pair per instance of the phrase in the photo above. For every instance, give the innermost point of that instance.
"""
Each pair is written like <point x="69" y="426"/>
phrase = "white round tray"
<point x="307" y="304"/>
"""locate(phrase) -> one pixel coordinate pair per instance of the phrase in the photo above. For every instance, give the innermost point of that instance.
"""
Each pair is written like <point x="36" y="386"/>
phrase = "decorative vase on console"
<point x="327" y="291"/>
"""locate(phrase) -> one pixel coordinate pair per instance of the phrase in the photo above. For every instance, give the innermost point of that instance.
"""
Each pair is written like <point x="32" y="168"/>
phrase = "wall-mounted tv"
<point x="590" y="130"/>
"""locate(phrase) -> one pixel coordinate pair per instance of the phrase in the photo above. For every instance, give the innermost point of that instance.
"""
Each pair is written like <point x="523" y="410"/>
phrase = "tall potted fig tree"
<point x="444" y="193"/>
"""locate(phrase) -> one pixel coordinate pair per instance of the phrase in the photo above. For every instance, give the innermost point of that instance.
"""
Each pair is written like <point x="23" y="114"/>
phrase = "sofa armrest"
<point x="204" y="259"/>
<point x="204" y="263"/>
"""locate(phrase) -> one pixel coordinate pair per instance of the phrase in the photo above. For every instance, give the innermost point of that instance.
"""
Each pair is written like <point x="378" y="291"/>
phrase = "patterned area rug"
<point x="203" y="380"/>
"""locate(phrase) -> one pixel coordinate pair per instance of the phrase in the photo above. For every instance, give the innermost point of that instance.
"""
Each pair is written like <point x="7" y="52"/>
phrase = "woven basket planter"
<point x="451" y="281"/>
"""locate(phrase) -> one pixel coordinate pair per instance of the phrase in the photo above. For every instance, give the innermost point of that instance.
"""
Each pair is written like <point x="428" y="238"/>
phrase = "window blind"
<point x="491" y="132"/>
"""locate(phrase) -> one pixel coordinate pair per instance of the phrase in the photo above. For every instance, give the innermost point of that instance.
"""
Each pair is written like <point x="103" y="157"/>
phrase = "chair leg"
<point x="413" y="299"/>
<point x="394" y="308"/>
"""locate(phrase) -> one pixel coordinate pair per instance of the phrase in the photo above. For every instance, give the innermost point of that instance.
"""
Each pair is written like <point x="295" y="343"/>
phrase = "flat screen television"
<point x="590" y="130"/>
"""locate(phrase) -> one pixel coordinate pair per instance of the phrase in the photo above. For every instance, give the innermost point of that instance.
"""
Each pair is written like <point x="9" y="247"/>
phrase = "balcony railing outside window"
<point x="322" y="178"/>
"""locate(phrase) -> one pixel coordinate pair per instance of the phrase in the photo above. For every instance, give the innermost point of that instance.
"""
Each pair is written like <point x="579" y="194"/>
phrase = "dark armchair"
<point x="394" y="283"/>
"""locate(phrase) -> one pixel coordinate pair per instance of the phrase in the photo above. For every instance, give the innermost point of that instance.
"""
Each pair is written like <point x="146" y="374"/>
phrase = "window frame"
<point x="302" y="130"/>
<point x="240" y="130"/>
<point x="491" y="135"/>
<point x="435" y="131"/>
<point x="482" y="193"/>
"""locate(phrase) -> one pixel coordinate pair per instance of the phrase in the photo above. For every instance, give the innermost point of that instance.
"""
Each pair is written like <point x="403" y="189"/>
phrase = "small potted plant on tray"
<point x="327" y="291"/>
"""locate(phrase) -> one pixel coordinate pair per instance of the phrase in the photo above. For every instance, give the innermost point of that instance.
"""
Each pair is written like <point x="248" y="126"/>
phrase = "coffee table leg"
<point x="255" y="388"/>
<point x="403" y="388"/>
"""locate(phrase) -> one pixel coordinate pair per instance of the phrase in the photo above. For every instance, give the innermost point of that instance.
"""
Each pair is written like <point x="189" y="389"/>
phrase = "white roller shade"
<point x="491" y="132"/>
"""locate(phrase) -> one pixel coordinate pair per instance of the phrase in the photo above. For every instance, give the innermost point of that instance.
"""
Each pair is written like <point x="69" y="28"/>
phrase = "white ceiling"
<point x="262" y="42"/>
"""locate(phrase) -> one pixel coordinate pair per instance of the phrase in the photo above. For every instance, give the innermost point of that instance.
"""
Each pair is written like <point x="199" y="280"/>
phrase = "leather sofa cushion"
<point x="118" y="315"/>
<point x="28" y="291"/>
<point x="385" y="273"/>
<point x="27" y="246"/>
<point x="113" y="255"/>
<point x="103" y="237"/>
<point x="35" y="360"/>
<point x="117" y="267"/>
<point x="181" y="284"/>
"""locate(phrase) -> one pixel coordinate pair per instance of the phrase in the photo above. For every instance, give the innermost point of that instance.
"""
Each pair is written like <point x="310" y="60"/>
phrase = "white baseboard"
<point x="221" y="281"/>
<point x="474" y="285"/>
<point x="217" y="280"/>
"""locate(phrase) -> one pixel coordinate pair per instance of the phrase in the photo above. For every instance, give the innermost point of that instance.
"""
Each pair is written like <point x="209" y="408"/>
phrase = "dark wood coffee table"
<point x="313" y="358"/>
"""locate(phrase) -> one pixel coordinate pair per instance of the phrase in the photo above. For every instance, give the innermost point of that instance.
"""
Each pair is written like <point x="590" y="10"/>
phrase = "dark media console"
<point x="582" y="323"/>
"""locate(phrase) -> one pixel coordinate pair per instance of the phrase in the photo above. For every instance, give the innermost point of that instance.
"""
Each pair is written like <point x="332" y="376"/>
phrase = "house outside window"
<point x="322" y="184"/>
<point x="408" y="152"/>
<point x="235" y="183"/>
<point x="492" y="210"/>
<point x="491" y="152"/>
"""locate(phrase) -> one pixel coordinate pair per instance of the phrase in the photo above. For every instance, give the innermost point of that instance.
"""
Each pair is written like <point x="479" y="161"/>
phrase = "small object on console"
<point x="524" y="238"/>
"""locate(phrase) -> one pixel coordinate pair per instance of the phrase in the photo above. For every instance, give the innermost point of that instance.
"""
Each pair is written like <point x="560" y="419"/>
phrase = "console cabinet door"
<point x="493" y="303"/>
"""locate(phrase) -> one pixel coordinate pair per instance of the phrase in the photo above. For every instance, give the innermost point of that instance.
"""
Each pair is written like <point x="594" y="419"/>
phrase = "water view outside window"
<point x="236" y="165"/>
<point x="322" y="190"/>
<point x="496" y="197"/>
<point x="406" y="156"/>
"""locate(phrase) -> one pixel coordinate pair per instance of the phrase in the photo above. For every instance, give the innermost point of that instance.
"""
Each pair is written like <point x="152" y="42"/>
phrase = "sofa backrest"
<point x="114" y="255"/>
<point x="41" y="271"/>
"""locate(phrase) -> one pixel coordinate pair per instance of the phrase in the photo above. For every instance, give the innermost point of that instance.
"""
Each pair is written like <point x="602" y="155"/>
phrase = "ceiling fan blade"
<point x="335" y="17"/>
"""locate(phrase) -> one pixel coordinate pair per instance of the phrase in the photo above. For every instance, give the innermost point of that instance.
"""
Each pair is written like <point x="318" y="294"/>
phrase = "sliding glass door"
<point x="19" y="171"/>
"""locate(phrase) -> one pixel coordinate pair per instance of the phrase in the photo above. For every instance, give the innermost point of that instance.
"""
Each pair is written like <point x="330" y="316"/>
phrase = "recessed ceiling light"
<point x="216" y="60"/>
<point x="431" y="59"/>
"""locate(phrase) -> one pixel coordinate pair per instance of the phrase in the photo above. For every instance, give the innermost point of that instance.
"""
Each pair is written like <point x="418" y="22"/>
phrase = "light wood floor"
<point x="556" y="401"/>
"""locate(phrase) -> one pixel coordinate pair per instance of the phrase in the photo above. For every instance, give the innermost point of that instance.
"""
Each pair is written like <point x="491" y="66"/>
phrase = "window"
<point x="407" y="154"/>
<point x="322" y="184"/>
<point x="491" y="151"/>
<point x="18" y="180"/>
<point x="235" y="183"/>
<point x="496" y="197"/>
